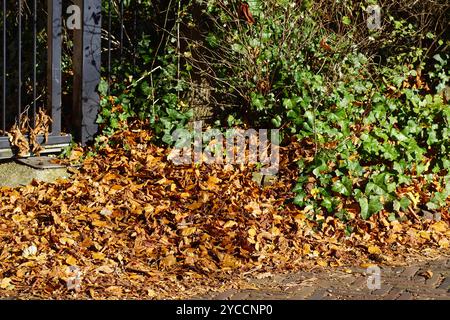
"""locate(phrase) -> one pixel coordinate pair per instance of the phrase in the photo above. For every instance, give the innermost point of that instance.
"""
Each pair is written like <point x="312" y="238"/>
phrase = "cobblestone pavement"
<point x="420" y="280"/>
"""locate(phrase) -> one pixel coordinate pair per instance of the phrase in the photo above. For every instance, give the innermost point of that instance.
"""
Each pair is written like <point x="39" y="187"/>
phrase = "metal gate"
<point x="36" y="75"/>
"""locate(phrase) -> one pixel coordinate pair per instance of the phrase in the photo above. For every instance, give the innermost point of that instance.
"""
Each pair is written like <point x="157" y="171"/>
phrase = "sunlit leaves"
<point x="129" y="223"/>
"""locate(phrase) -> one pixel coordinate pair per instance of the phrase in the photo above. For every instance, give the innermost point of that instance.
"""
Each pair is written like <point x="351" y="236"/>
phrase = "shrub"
<point x="369" y="101"/>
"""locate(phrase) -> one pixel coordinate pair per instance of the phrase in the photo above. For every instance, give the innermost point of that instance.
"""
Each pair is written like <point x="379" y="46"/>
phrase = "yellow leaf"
<point x="275" y="231"/>
<point x="229" y="224"/>
<point x="18" y="218"/>
<point x="444" y="243"/>
<point x="64" y="209"/>
<point x="415" y="198"/>
<point x="185" y="195"/>
<point x="5" y="283"/>
<point x="71" y="261"/>
<point x="374" y="250"/>
<point x="229" y="261"/>
<point x="115" y="188"/>
<point x="116" y="290"/>
<point x="277" y="218"/>
<point x="322" y="263"/>
<point x="169" y="261"/>
<point x="440" y="226"/>
<point x="151" y="293"/>
<point x="425" y="235"/>
<point x="75" y="155"/>
<point x="65" y="240"/>
<point x="212" y="181"/>
<point x="251" y="232"/>
<point x="164" y="181"/>
<point x="104" y="269"/>
<point x="194" y="206"/>
<point x="396" y="226"/>
<point x="314" y="192"/>
<point x="99" y="223"/>
<point x="21" y="273"/>
<point x="28" y="264"/>
<point x="188" y="231"/>
<point x="254" y="207"/>
<point x="98" y="255"/>
<point x="306" y="249"/>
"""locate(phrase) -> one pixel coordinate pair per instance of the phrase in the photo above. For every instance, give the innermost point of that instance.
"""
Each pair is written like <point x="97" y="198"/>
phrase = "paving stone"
<point x="434" y="281"/>
<point x="355" y="296"/>
<point x="410" y="272"/>
<point x="448" y="263"/>
<point x="385" y="289"/>
<point x="279" y="296"/>
<point x="319" y="294"/>
<point x="240" y="295"/>
<point x="329" y="297"/>
<point x="348" y="280"/>
<point x="405" y="296"/>
<point x="432" y="297"/>
<point x="445" y="285"/>
<point x="303" y="293"/>
<point x="419" y="279"/>
<point x="398" y="271"/>
<point x="225" y="295"/>
<point x="360" y="283"/>
<point x="397" y="283"/>
<point x="393" y="294"/>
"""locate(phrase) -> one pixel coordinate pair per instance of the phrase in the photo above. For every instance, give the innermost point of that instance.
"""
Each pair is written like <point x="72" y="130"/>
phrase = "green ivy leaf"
<point x="339" y="187"/>
<point x="364" y="205"/>
<point x="103" y="87"/>
<point x="346" y="20"/>
<point x="375" y="205"/>
<point x="299" y="199"/>
<point x="327" y="203"/>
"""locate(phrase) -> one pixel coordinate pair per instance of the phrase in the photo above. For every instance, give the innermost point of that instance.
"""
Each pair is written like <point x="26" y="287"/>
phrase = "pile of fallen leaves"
<point x="131" y="224"/>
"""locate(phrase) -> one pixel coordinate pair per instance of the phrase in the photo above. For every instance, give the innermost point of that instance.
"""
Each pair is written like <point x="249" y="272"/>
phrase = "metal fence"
<point x="36" y="72"/>
<point x="45" y="64"/>
<point x="120" y="34"/>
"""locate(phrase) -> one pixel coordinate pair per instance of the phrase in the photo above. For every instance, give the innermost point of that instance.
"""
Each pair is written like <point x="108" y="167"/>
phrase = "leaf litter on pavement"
<point x="131" y="224"/>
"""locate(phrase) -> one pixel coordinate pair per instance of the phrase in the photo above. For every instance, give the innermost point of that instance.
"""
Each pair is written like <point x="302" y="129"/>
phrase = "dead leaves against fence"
<point x="24" y="134"/>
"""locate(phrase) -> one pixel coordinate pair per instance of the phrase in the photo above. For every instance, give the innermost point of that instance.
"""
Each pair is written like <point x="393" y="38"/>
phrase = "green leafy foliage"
<point x="376" y="129"/>
<point x="147" y="87"/>
<point x="372" y="102"/>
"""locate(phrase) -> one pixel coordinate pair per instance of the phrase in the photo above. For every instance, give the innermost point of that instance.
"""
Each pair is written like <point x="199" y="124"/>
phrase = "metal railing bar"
<point x="54" y="73"/>
<point x="19" y="58"/>
<point x="4" y="70"/>
<point x="34" y="59"/>
<point x="109" y="45"/>
<point x="134" y="36"/>
<point x="121" y="30"/>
